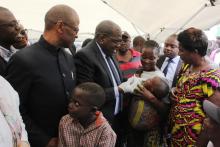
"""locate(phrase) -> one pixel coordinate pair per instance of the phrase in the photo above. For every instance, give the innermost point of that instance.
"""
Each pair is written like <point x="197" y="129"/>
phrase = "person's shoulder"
<point x="106" y="127"/>
<point x="135" y="53"/>
<point x="3" y="82"/>
<point x="28" y="51"/>
<point x="66" y="119"/>
<point x="88" y="52"/>
<point x="162" y="57"/>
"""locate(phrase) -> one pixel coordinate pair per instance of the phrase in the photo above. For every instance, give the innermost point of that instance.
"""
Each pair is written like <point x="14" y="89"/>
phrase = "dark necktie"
<point x="167" y="66"/>
<point x="66" y="72"/>
<point x="118" y="81"/>
<point x="114" y="70"/>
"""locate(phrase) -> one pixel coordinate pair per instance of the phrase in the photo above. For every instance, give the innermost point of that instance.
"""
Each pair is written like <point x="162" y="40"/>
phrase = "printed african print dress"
<point x="187" y="114"/>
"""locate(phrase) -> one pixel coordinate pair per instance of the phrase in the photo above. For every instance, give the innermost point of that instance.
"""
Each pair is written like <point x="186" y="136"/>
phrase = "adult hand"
<point x="146" y="93"/>
<point x="173" y="96"/>
<point x="127" y="87"/>
<point x="53" y="142"/>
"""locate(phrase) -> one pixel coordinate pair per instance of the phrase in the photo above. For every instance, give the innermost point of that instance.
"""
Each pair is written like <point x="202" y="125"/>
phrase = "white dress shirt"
<point x="117" y="95"/>
<point x="171" y="68"/>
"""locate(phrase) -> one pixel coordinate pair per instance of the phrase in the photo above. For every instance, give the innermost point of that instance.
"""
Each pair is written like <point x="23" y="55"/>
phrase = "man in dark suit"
<point x="170" y="63"/>
<point x="93" y="66"/>
<point x="43" y="75"/>
<point x="95" y="63"/>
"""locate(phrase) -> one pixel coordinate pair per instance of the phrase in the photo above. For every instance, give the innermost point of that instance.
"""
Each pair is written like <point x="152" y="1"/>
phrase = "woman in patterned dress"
<point x="197" y="81"/>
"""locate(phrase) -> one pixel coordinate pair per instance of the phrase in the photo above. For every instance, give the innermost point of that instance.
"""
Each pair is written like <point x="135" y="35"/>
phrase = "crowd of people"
<point x="107" y="94"/>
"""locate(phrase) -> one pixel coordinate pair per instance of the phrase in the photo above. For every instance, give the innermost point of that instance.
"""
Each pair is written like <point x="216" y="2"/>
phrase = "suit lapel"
<point x="177" y="72"/>
<point x="102" y="62"/>
<point x="160" y="61"/>
<point x="117" y="67"/>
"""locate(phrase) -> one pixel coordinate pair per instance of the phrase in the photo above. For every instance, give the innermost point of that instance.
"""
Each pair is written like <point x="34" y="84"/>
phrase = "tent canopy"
<point x="31" y="14"/>
<point x="161" y="18"/>
<point x="156" y="18"/>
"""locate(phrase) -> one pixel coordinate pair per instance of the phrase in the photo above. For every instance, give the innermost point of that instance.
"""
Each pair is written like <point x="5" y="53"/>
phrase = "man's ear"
<point x="59" y="27"/>
<point x="101" y="39"/>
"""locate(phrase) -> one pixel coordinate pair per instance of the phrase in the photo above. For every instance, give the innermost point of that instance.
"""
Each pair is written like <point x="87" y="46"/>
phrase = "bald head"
<point x="62" y="13"/>
<point x="5" y="14"/>
<point x="106" y="27"/>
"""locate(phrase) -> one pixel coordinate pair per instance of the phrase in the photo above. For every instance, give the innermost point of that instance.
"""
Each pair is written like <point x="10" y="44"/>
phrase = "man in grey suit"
<point x="170" y="63"/>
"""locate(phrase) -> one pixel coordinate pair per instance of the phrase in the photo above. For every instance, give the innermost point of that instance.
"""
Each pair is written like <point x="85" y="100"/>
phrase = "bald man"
<point x="92" y="65"/>
<point x="9" y="31"/>
<point x="95" y="63"/>
<point x="44" y="74"/>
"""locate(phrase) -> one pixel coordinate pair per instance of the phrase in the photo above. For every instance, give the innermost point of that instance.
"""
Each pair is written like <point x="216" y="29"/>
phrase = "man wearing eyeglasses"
<point x="9" y="31"/>
<point x="44" y="75"/>
<point x="22" y="39"/>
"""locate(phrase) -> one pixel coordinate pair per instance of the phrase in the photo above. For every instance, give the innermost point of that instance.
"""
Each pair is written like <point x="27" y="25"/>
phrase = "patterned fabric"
<point x="155" y="138"/>
<point x="187" y="115"/>
<point x="98" y="134"/>
<point x="129" y="68"/>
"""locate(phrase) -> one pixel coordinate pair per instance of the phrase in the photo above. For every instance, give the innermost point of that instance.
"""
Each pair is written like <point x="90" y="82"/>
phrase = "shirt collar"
<point x="100" y="120"/>
<point x="174" y="60"/>
<point x="100" y="49"/>
<point x="6" y="54"/>
<point x="48" y="46"/>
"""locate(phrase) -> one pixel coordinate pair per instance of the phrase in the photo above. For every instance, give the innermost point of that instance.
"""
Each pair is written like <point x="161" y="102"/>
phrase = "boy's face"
<point x="149" y="84"/>
<point x="148" y="59"/>
<point x="78" y="107"/>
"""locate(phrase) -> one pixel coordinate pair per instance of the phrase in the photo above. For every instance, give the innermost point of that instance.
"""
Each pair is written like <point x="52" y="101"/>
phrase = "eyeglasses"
<point x="13" y="23"/>
<point x="23" y="32"/>
<point x="115" y="40"/>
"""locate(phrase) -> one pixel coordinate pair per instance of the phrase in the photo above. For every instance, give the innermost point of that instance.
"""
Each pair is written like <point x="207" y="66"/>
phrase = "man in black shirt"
<point x="44" y="74"/>
<point x="9" y="30"/>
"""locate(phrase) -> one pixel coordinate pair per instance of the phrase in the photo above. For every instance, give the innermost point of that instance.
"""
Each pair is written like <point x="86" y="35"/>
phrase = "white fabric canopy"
<point x="160" y="18"/>
<point x="31" y="14"/>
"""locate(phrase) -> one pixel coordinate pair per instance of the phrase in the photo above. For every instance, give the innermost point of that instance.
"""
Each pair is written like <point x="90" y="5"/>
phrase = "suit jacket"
<point x="91" y="67"/>
<point x="160" y="63"/>
<point x="3" y="64"/>
<point x="43" y="88"/>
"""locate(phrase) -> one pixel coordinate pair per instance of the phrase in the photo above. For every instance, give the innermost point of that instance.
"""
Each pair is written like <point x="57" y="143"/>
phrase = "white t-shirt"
<point x="9" y="108"/>
<point x="5" y="133"/>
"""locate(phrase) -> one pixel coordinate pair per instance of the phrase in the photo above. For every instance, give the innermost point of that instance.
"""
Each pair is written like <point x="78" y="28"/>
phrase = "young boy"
<point x="85" y="125"/>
